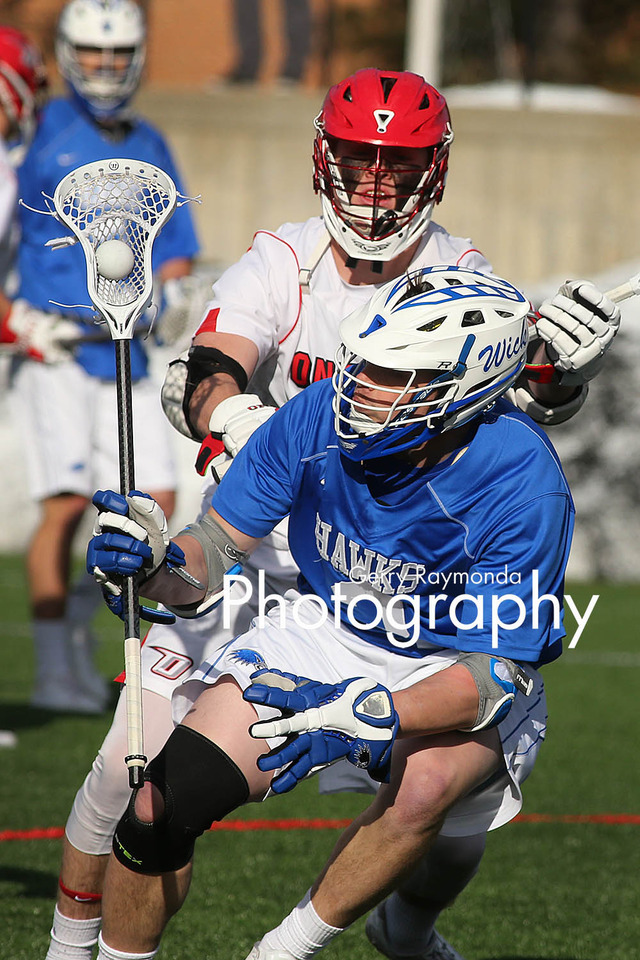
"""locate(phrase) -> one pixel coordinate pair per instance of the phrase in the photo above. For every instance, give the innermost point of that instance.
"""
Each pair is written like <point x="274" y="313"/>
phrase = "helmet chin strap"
<point x="379" y="227"/>
<point x="377" y="266"/>
<point x="382" y="222"/>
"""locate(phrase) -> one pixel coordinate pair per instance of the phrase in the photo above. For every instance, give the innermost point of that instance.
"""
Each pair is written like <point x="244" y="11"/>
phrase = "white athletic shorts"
<point x="68" y="422"/>
<point x="171" y="652"/>
<point x="331" y="654"/>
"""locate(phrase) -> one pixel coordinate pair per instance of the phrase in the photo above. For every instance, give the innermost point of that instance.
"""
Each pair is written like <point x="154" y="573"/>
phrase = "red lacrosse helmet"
<point x="380" y="160"/>
<point x="23" y="80"/>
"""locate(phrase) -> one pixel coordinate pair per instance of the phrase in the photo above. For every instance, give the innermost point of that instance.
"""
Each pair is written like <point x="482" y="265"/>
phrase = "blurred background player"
<point x="63" y="384"/>
<point x="380" y="160"/>
<point x="22" y="88"/>
<point x="23" y="85"/>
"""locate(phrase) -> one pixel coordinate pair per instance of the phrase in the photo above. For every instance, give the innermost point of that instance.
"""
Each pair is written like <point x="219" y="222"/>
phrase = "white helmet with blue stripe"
<point x="460" y="337"/>
<point x="115" y="32"/>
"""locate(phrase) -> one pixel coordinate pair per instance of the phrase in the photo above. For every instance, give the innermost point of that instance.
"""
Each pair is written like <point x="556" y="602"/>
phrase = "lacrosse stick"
<point x="629" y="289"/>
<point x="116" y="208"/>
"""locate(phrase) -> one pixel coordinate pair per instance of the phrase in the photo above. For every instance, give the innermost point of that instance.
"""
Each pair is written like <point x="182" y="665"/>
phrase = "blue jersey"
<point x="476" y="546"/>
<point x="67" y="138"/>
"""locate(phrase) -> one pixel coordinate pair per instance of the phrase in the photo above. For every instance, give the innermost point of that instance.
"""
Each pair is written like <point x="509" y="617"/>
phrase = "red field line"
<point x="54" y="833"/>
<point x="615" y="818"/>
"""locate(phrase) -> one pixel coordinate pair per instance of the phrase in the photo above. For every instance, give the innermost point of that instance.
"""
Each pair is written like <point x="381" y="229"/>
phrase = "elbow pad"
<point x="221" y="557"/>
<point x="545" y="414"/>
<point x="498" y="680"/>
<point x="183" y="376"/>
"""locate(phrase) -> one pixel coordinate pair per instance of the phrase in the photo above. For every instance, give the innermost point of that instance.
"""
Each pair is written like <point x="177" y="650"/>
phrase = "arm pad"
<point x="221" y="556"/>
<point x="183" y="376"/>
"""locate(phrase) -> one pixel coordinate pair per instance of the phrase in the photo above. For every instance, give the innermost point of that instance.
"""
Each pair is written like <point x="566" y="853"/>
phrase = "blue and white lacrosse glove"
<point x="130" y="539"/>
<point x="578" y="326"/>
<point x="355" y="719"/>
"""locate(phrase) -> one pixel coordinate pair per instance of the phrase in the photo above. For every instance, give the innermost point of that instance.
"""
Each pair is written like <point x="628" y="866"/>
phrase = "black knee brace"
<point x="199" y="784"/>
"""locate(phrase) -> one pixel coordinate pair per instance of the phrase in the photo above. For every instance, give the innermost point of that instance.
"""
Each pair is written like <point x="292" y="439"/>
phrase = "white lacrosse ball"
<point x="114" y="259"/>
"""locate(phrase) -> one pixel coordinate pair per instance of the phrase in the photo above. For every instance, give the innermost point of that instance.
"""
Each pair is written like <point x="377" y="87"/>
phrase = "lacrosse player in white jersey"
<point x="380" y="158"/>
<point x="408" y="461"/>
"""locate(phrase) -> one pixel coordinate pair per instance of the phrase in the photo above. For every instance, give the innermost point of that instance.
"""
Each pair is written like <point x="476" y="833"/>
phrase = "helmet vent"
<point x="453" y="281"/>
<point x="388" y="83"/>
<point x="415" y="286"/>
<point x="425" y="103"/>
<point x="472" y="318"/>
<point x="347" y="95"/>
<point x="504" y="313"/>
<point x="433" y="325"/>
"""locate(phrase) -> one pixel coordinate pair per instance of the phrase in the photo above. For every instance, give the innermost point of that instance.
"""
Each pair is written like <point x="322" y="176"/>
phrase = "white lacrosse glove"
<point x="231" y="424"/>
<point x="47" y="337"/>
<point x="578" y="326"/>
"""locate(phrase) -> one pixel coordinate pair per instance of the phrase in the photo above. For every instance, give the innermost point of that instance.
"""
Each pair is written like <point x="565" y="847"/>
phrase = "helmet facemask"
<point x="377" y="200"/>
<point x="381" y="418"/>
<point x="105" y="78"/>
<point x="18" y="103"/>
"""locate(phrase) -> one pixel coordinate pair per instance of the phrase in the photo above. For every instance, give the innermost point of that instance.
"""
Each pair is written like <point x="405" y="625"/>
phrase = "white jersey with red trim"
<point x="296" y="333"/>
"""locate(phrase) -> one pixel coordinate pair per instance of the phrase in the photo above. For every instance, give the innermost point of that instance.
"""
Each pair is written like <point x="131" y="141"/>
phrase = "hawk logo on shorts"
<point x="250" y="657"/>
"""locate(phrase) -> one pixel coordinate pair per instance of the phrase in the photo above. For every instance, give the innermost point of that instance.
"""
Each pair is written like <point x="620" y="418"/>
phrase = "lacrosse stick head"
<point x="124" y="200"/>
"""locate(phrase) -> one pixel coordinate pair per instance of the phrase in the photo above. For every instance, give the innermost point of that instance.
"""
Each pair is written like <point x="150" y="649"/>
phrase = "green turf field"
<point x="546" y="891"/>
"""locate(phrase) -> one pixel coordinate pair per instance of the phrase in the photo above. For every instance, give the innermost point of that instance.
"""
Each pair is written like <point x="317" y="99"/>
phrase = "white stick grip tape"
<point x="133" y="690"/>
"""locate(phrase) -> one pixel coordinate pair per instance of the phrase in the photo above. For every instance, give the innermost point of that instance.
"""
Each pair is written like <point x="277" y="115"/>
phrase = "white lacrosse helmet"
<point x="111" y="29"/>
<point x="459" y="335"/>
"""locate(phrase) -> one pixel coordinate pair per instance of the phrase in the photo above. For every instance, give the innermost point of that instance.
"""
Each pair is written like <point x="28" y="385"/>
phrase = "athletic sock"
<point x="72" y="939"/>
<point x="53" y="658"/>
<point x="302" y="933"/>
<point x="82" y="604"/>
<point x="106" y="952"/>
<point x="84" y="600"/>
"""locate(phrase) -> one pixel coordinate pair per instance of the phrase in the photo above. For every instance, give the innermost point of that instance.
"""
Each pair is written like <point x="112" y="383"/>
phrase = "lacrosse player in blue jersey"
<point x="412" y="486"/>
<point x="283" y="301"/>
<point x="64" y="381"/>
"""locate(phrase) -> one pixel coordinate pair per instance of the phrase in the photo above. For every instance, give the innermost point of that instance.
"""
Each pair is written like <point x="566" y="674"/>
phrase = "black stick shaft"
<point x="130" y="589"/>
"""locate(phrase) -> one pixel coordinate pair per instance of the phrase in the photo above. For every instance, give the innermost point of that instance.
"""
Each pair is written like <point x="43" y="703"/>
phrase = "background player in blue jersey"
<point x="64" y="385"/>
<point x="408" y="471"/>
